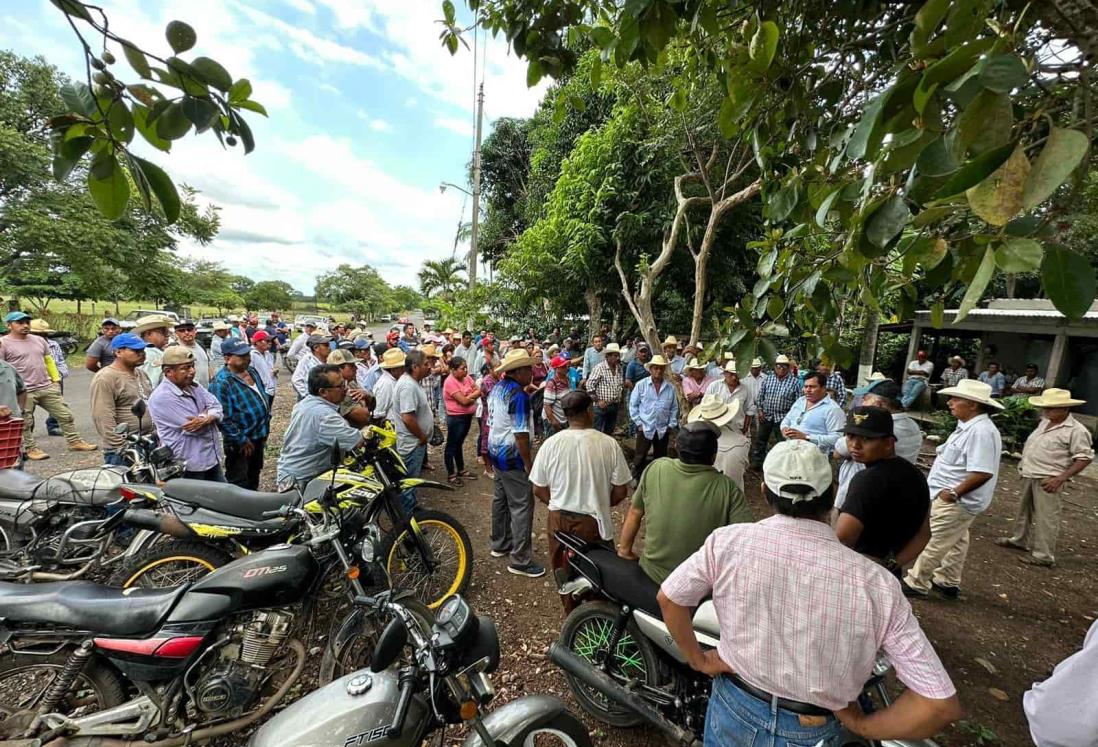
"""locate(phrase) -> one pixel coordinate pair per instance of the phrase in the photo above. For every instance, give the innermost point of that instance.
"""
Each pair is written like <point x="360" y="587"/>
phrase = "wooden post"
<point x="1056" y="359"/>
<point x="912" y="347"/>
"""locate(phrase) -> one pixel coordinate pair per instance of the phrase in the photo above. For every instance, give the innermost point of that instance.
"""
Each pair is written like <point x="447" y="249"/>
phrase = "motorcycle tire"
<point x="190" y="561"/>
<point x="349" y="653"/>
<point x="95" y="678"/>
<point x="564" y="729"/>
<point x="450" y="543"/>
<point x="585" y="632"/>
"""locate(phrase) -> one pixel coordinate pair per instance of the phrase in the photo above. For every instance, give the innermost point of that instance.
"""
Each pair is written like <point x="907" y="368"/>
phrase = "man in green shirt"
<point x="681" y="501"/>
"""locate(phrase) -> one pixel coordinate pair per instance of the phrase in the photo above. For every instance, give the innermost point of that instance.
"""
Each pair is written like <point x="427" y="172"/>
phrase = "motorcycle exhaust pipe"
<point x="599" y="680"/>
<point x="157" y="522"/>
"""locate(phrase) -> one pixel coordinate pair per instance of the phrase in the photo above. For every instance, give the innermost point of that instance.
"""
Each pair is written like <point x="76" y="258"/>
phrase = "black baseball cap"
<point x="871" y="422"/>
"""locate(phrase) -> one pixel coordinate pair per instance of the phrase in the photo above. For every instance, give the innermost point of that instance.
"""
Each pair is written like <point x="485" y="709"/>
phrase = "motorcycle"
<point x="444" y="681"/>
<point x="50" y="528"/>
<point x="624" y="667"/>
<point x="195" y="526"/>
<point x="81" y="663"/>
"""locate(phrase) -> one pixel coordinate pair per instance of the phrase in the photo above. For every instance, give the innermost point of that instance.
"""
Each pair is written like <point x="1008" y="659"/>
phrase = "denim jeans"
<point x="457" y="428"/>
<point x="114" y="459"/>
<point x="606" y="419"/>
<point x="913" y="388"/>
<point x="413" y="462"/>
<point x="213" y="474"/>
<point x="762" y="440"/>
<point x="736" y="719"/>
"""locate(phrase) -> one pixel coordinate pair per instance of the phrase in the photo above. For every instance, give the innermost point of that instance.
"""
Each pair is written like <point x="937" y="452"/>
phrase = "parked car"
<point x="133" y="316"/>
<point x="203" y="329"/>
<point x="301" y="319"/>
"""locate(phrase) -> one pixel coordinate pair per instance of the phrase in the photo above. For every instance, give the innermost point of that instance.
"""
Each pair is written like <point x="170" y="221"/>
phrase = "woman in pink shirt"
<point x="695" y="381"/>
<point x="460" y="395"/>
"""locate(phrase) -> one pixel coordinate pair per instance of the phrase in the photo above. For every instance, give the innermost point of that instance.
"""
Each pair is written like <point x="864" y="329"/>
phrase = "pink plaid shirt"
<point x="803" y="616"/>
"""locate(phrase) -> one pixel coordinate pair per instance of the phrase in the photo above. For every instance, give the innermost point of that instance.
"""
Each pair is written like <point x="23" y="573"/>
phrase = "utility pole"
<point x="472" y="269"/>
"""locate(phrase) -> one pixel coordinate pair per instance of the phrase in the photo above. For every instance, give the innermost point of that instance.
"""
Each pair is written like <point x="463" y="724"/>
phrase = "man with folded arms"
<point x="802" y="619"/>
<point x="186" y="416"/>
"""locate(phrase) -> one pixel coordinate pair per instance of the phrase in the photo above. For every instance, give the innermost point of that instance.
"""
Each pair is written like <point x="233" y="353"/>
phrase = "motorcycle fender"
<point x="143" y="539"/>
<point x="507" y="723"/>
<point x="415" y="482"/>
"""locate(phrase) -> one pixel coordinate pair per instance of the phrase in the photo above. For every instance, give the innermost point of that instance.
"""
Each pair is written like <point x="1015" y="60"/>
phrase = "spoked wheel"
<point x="451" y="552"/>
<point x="587" y="633"/>
<point x="169" y="564"/>
<point x="25" y="679"/>
<point x="353" y="652"/>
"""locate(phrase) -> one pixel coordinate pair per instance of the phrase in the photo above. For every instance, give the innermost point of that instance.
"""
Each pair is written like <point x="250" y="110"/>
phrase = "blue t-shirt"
<point x="574" y="377"/>
<point x="509" y="412"/>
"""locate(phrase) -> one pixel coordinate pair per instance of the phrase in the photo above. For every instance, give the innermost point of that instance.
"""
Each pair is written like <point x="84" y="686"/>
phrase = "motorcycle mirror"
<point x="337" y="455"/>
<point x="389" y="645"/>
<point x="139" y="408"/>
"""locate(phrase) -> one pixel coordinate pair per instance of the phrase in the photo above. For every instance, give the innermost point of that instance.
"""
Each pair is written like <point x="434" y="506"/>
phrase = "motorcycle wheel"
<point x="586" y="633"/>
<point x="354" y="652"/>
<point x="168" y="564"/>
<point x="451" y="547"/>
<point x="25" y="678"/>
<point x="563" y="729"/>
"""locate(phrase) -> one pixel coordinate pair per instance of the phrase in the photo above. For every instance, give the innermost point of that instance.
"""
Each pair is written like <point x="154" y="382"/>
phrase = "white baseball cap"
<point x="797" y="462"/>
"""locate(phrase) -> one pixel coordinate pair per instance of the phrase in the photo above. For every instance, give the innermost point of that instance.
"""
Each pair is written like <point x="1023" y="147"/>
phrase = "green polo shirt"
<point x="683" y="504"/>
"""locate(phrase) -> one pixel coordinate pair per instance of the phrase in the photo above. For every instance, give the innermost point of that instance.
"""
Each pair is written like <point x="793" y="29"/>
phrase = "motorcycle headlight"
<point x="367" y="549"/>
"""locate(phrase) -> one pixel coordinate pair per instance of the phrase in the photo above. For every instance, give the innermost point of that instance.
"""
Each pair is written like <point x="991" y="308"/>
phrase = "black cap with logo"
<point x="871" y="422"/>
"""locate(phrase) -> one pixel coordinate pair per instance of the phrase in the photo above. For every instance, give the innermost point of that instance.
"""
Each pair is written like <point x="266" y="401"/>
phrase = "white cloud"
<point x="303" y="5"/>
<point x="309" y="47"/>
<point x="454" y="124"/>
<point x="330" y="89"/>
<point x="380" y="125"/>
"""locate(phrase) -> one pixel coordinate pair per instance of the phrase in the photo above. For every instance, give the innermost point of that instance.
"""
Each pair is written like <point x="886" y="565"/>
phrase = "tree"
<point x="890" y="139"/>
<point x="406" y="298"/>
<point x="103" y="113"/>
<point x="441" y="277"/>
<point x="270" y="295"/>
<point x="360" y="290"/>
<point x="241" y="285"/>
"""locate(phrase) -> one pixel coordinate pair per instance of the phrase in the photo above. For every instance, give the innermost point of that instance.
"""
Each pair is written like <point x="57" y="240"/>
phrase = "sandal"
<point x="455" y="481"/>
<point x="466" y="474"/>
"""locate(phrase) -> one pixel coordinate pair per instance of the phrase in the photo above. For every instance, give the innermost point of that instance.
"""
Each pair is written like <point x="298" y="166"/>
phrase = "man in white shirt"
<point x="962" y="483"/>
<point x="185" y="335"/>
<point x="1063" y="710"/>
<point x="916" y="378"/>
<point x="317" y="354"/>
<point x="297" y="347"/>
<point x="263" y="361"/>
<point x="579" y="473"/>
<point x="392" y="367"/>
<point x="751" y="384"/>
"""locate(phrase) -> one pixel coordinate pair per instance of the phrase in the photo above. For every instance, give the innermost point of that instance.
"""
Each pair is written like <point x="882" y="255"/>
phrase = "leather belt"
<point x="794" y="706"/>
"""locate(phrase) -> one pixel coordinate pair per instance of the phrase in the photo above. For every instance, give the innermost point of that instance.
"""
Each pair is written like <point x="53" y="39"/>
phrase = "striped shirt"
<point x="247" y="410"/>
<point x="776" y="396"/>
<point x="508" y="414"/>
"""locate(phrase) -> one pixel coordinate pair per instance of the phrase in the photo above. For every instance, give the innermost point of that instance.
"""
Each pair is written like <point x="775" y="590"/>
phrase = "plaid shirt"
<point x="606" y="384"/>
<point x="776" y="396"/>
<point x="836" y="384"/>
<point x="951" y="377"/>
<point x="247" y="411"/>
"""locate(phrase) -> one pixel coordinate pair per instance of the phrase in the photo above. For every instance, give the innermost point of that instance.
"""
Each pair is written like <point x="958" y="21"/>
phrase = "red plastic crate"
<point x="11" y="442"/>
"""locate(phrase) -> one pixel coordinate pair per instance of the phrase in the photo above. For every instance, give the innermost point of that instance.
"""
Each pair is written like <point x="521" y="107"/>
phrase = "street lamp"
<point x="443" y="185"/>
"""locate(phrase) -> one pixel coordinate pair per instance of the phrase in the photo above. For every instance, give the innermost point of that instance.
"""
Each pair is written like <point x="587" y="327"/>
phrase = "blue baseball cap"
<point x="361" y="343"/>
<point x="17" y="316"/>
<point x="870" y="386"/>
<point x="235" y="347"/>
<point x="128" y="340"/>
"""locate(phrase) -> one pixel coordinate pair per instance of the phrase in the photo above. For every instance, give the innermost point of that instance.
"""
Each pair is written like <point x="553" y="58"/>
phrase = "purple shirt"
<point x="170" y="407"/>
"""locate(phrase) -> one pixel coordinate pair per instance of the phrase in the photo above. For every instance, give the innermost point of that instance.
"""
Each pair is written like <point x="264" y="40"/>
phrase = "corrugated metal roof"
<point x="1017" y="314"/>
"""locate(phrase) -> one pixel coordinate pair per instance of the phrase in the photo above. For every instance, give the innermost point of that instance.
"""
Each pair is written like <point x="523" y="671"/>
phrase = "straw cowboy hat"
<point x="971" y="389"/>
<point x="612" y="348"/>
<point x="392" y="358"/>
<point x="218" y="326"/>
<point x="876" y="376"/>
<point x="697" y="365"/>
<point x="957" y="358"/>
<point x="657" y="360"/>
<point x="1055" y="398"/>
<point x="757" y="363"/>
<point x="671" y="340"/>
<point x="429" y="350"/>
<point x="730" y="367"/>
<point x="152" y="321"/>
<point x="40" y="326"/>
<point x="713" y="409"/>
<point x="341" y="357"/>
<point x="782" y="360"/>
<point x="516" y="358"/>
<point x="729" y="355"/>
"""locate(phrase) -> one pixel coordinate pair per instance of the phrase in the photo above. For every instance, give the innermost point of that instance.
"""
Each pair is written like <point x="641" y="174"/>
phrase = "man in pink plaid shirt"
<point x="802" y="621"/>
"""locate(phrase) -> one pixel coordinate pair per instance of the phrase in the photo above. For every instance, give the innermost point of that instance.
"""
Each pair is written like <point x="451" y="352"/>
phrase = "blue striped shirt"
<point x="247" y="412"/>
<point x="509" y="413"/>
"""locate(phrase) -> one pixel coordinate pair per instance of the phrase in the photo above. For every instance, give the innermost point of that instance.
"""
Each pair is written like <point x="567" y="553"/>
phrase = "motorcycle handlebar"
<point x="407" y="685"/>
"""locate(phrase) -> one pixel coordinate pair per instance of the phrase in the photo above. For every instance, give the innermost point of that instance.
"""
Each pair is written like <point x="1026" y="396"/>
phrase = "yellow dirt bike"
<point x="191" y="527"/>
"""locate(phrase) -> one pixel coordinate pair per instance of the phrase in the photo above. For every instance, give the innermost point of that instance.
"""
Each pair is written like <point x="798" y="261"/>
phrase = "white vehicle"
<point x="302" y="319"/>
<point x="138" y="313"/>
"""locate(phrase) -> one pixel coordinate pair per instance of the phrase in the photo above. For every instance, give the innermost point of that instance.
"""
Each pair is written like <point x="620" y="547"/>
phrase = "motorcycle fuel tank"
<point x="353" y="711"/>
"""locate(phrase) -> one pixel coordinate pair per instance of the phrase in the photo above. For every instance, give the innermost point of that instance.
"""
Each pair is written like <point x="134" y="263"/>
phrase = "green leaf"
<point x="985" y="123"/>
<point x="162" y="187"/>
<point x="200" y="112"/>
<point x="887" y="221"/>
<point x="978" y="285"/>
<point x="726" y="120"/>
<point x="533" y="73"/>
<point x="596" y="72"/>
<point x="121" y="121"/>
<point x="856" y="147"/>
<point x="140" y="121"/>
<point x="937" y="315"/>
<point x="975" y="171"/>
<point x="137" y="59"/>
<point x="67" y="154"/>
<point x="1068" y="279"/>
<point x="766" y="262"/>
<point x="998" y="198"/>
<point x="180" y="36"/>
<point x="73" y="8"/>
<point x="173" y="123"/>
<point x="677" y="102"/>
<point x="781" y="204"/>
<point x="966" y="19"/>
<point x="932" y="215"/>
<point x="763" y="45"/>
<point x="937" y="158"/>
<point x="1063" y="152"/>
<point x="448" y="11"/>
<point x="922" y="95"/>
<point x="245" y="135"/>
<point x="254" y="106"/>
<point x="109" y="188"/>
<point x="78" y="98"/>
<point x="240" y="91"/>
<point x="1003" y="73"/>
<point x="956" y="62"/>
<point x="775" y="306"/>
<point x="212" y="72"/>
<point x="927" y="21"/>
<point x="1019" y="255"/>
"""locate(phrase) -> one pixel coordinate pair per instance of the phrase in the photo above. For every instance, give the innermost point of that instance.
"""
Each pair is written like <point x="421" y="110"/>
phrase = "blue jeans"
<point x="457" y="428"/>
<point x="114" y="459"/>
<point x="913" y="388"/>
<point x="605" y="420"/>
<point x="413" y="462"/>
<point x="736" y="719"/>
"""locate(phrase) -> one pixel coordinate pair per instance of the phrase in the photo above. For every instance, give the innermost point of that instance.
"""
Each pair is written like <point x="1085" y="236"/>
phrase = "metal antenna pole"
<point x="472" y="269"/>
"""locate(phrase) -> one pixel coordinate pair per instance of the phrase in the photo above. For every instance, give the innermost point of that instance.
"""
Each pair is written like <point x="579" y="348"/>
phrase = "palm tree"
<point x="441" y="277"/>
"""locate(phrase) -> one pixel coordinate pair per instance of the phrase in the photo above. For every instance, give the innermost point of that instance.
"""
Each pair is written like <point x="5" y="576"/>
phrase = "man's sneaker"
<point x="911" y="591"/>
<point x="37" y="455"/>
<point x="1039" y="562"/>
<point x="531" y="569"/>
<point x="55" y="432"/>
<point x="1010" y="544"/>
<point x="82" y="446"/>
<point x="949" y="592"/>
<point x="500" y="553"/>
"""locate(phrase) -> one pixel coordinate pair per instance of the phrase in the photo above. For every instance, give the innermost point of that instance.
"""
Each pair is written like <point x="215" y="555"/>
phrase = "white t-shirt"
<point x="925" y="367"/>
<point x="579" y="467"/>
<point x="1063" y="710"/>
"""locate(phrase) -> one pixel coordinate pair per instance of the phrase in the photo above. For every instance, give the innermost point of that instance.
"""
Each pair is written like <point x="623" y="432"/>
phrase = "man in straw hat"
<point x="219" y="332"/>
<point x="153" y="329"/>
<point x="962" y="483"/>
<point x="728" y="389"/>
<point x="605" y="384"/>
<point x="956" y="371"/>
<point x="392" y="368"/>
<point x="1058" y="449"/>
<point x="777" y="393"/>
<point x="732" y="445"/>
<point x="654" y="409"/>
<point x="695" y="381"/>
<point x="186" y="416"/>
<point x="785" y="579"/>
<point x="510" y="437"/>
<point x="676" y="361"/>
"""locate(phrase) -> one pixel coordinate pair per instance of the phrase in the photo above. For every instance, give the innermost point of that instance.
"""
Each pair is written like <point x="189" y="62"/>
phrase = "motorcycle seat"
<point x="705" y="619"/>
<point x="19" y="485"/>
<point x="89" y="606"/>
<point x="227" y="498"/>
<point x="623" y="579"/>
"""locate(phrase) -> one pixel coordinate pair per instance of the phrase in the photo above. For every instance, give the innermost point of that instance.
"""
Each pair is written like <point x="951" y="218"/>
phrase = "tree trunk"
<point x="594" y="311"/>
<point x="869" y="345"/>
<point x="78" y="302"/>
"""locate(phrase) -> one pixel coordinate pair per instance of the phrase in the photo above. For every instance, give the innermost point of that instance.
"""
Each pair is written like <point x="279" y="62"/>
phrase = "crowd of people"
<point x="549" y="416"/>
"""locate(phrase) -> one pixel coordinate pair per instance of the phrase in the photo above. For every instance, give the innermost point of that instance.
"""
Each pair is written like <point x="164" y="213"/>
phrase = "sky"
<point x="368" y="115"/>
